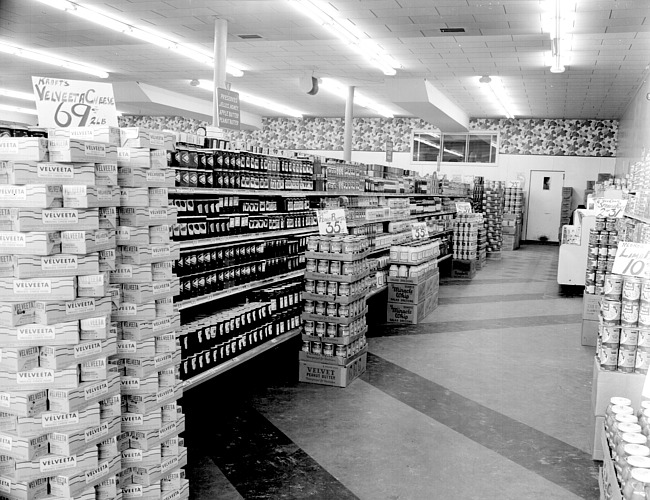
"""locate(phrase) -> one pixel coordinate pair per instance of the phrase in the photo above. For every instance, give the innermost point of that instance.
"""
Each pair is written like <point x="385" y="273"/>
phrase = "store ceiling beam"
<point x="419" y="97"/>
<point x="143" y="99"/>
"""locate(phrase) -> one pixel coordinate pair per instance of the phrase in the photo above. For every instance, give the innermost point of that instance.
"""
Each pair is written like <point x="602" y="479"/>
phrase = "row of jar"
<point x="334" y="330"/>
<point x="338" y="244"/>
<point x="334" y="310"/>
<point x="336" y="267"/>
<point x="334" y="350"/>
<point x="335" y="288"/>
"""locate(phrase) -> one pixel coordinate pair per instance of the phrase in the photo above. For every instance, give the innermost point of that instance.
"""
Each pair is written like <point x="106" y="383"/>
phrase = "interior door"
<point x="544" y="205"/>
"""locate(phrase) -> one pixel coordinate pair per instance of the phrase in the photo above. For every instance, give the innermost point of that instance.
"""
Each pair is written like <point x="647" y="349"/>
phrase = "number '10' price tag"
<point x="332" y="222"/>
<point x="632" y="259"/>
<point x="419" y="231"/>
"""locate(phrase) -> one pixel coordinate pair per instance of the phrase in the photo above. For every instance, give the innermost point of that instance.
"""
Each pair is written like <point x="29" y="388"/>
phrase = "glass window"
<point x="426" y="146"/>
<point x="455" y="146"/>
<point x="481" y="148"/>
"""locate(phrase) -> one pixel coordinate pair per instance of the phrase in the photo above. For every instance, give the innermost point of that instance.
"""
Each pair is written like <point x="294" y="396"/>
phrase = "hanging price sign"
<point x="331" y="222"/>
<point x="463" y="207"/>
<point x="606" y="207"/>
<point x="419" y="231"/>
<point x="632" y="259"/>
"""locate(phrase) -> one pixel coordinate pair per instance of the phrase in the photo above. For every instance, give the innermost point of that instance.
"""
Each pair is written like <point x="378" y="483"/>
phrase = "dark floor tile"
<point x="540" y="453"/>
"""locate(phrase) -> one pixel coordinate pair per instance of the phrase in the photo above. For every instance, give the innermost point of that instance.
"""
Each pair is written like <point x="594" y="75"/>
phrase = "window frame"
<point x="469" y="133"/>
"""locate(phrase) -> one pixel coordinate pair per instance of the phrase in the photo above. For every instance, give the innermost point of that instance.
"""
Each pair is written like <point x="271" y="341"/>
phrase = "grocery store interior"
<point x="373" y="249"/>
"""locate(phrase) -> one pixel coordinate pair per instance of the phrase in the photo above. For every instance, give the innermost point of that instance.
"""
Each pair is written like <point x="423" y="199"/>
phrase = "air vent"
<point x="452" y="30"/>
<point x="250" y="37"/>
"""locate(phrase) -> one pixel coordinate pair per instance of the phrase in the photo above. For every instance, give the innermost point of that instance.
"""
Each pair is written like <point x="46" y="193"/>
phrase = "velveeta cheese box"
<point x="84" y="242"/>
<point x="23" y="148"/>
<point x="166" y="343"/>
<point x="108" y="218"/>
<point x="26" y="220"/>
<point x="94" y="285"/>
<point x="158" y="197"/>
<point x="143" y="440"/>
<point x="149" y="402"/>
<point x="134" y="457"/>
<point x="146" y="292"/>
<point x="147" y="254"/>
<point x="59" y="265"/>
<point x="48" y="313"/>
<point x="134" y="216"/>
<point x="133" y="157"/>
<point x="141" y="421"/>
<point x="49" y="465"/>
<point x="132" y="349"/>
<point x="162" y="271"/>
<point x="94" y="370"/>
<point x="72" y="150"/>
<point x="24" y="448"/>
<point x="136" y="137"/>
<point x="141" y="491"/>
<point x="39" y="378"/>
<point x="71" y="442"/>
<point x="18" y="359"/>
<point x="24" y="403"/>
<point x="159" y="178"/>
<point x="110" y="447"/>
<point x="26" y="490"/>
<point x="59" y="357"/>
<point x="163" y="215"/>
<point x="34" y="243"/>
<point x="109" y="489"/>
<point x="134" y="197"/>
<point x="111" y="407"/>
<point x="142" y="330"/>
<point x="17" y="313"/>
<point x="20" y="290"/>
<point x="106" y="174"/>
<point x="31" y="196"/>
<point x="160" y="234"/>
<point x="76" y="485"/>
<point x="94" y="328"/>
<point x="36" y="335"/>
<point x="159" y="160"/>
<point x="164" y="307"/>
<point x="107" y="260"/>
<point x="144" y="367"/>
<point x="135" y="385"/>
<point x="129" y="311"/>
<point x="127" y="273"/>
<point x="131" y="176"/>
<point x="97" y="133"/>
<point x="131" y="235"/>
<point x="69" y="400"/>
<point x="90" y="196"/>
<point x="46" y="173"/>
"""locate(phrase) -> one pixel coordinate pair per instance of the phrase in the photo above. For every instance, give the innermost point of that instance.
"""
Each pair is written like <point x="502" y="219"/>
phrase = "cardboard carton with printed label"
<point x="46" y="173"/>
<point x="21" y="290"/>
<point x="66" y="150"/>
<point x="32" y="334"/>
<point x="34" y="243"/>
<point x="24" y="149"/>
<point x="55" y="266"/>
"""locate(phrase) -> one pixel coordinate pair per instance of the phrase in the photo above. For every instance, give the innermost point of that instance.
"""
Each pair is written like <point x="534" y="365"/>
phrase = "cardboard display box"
<point x="463" y="269"/>
<point x="46" y="173"/>
<point x="589" y="332"/>
<point x="31" y="196"/>
<point x="37" y="243"/>
<point x="23" y="148"/>
<point x="71" y="150"/>
<point x="607" y="385"/>
<point x="399" y="293"/>
<point x="412" y="313"/>
<point x="590" y="306"/>
<point x="338" y="376"/>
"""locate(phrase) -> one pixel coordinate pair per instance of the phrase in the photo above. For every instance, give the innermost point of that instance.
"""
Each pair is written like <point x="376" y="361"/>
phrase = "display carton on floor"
<point x="403" y="293"/>
<point x="338" y="376"/>
<point x="589" y="332"/>
<point x="412" y="313"/>
<point x="607" y="385"/>
<point x="590" y="306"/>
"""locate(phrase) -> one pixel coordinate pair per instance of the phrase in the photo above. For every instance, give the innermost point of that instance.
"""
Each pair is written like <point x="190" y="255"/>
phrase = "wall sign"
<point x="331" y="222"/>
<point x="229" y="114"/>
<point x="73" y="103"/>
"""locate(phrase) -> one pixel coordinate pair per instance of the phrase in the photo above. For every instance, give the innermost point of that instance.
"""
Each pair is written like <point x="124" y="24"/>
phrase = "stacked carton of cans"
<point x="493" y="219"/>
<point x="334" y="317"/>
<point x="148" y="356"/>
<point x="603" y="243"/>
<point x="57" y="426"/>
<point x="624" y="330"/>
<point x="466" y="229"/>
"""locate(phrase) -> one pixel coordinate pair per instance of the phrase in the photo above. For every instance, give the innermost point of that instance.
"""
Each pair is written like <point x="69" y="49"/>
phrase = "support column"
<point x="347" y="135"/>
<point x="219" y="78"/>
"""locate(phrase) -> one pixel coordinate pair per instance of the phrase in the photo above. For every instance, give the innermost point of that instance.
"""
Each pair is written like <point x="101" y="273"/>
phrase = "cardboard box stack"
<point x="513" y="217"/>
<point x="467" y="252"/>
<point x="148" y="354"/>
<point x="413" y="281"/>
<point x="55" y="306"/>
<point x="493" y="218"/>
<point x="481" y="258"/>
<point x="334" y="348"/>
<point x="565" y="213"/>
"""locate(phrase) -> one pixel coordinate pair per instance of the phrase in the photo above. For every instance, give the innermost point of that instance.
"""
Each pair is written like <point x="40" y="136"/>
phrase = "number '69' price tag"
<point x="332" y="222"/>
<point x="419" y="231"/>
<point x="632" y="259"/>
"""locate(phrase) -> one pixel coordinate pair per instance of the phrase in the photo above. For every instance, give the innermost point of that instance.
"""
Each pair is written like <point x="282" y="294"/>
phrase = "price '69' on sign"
<point x="331" y="222"/>
<point x="632" y="259"/>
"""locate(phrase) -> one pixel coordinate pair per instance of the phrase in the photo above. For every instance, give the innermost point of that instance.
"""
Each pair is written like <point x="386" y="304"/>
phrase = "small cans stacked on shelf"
<point x="466" y="228"/>
<point x="624" y="329"/>
<point x="147" y="353"/>
<point x="58" y="428"/>
<point x="603" y="243"/>
<point x="334" y="317"/>
<point x="493" y="219"/>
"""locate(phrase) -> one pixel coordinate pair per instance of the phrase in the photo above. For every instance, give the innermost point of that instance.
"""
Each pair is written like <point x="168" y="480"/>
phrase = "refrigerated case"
<point x="572" y="261"/>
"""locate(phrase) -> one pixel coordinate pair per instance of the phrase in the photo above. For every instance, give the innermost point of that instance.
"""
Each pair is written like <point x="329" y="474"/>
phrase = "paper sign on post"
<point x="463" y="207"/>
<point x="632" y="259"/>
<point x="332" y="222"/>
<point x="606" y="207"/>
<point x="419" y="231"/>
<point x="73" y="103"/>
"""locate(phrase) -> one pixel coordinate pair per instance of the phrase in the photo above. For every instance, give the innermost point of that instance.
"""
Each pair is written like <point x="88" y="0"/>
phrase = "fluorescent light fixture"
<point x="50" y="59"/>
<point x="18" y="109"/>
<point x="255" y="100"/>
<point x="557" y="19"/>
<point x="494" y="89"/>
<point x="325" y="15"/>
<point x="92" y="14"/>
<point x="338" y="89"/>
<point x="14" y="94"/>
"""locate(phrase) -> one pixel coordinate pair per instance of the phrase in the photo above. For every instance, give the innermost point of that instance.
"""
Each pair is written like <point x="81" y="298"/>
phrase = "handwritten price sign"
<point x="73" y="103"/>
<point x="606" y="207"/>
<point x="419" y="231"/>
<point x="332" y="222"/>
<point x="463" y="207"/>
<point x="632" y="259"/>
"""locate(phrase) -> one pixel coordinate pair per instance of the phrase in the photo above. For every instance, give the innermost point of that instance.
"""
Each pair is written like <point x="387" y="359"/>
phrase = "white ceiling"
<point x="610" y="49"/>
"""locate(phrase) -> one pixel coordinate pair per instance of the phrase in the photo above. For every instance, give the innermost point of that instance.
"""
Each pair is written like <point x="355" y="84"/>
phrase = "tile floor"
<point x="488" y="398"/>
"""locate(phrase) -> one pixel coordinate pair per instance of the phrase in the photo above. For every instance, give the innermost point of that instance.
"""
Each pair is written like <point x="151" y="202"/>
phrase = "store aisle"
<point x="488" y="398"/>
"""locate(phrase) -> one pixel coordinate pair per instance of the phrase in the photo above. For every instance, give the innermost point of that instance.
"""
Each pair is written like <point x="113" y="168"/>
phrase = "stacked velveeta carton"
<point x="59" y="395"/>
<point x="147" y="354"/>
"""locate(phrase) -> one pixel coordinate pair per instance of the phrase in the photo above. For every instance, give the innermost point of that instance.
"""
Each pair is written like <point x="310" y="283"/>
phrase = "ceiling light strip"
<point x="498" y="95"/>
<point x="50" y="59"/>
<point x="14" y="94"/>
<point x="18" y="109"/>
<point x="89" y="13"/>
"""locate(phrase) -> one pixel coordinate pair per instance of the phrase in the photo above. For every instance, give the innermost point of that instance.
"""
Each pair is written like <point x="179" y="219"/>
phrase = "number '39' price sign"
<point x="632" y="259"/>
<point x="332" y="222"/>
<point x="419" y="231"/>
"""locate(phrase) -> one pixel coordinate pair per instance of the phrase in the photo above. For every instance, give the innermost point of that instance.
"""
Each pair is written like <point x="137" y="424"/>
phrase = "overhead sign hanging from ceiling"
<point x="73" y="103"/>
<point x="228" y="109"/>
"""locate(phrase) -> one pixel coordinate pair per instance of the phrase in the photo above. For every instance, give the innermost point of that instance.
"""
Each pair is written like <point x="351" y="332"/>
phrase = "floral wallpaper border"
<point x="521" y="136"/>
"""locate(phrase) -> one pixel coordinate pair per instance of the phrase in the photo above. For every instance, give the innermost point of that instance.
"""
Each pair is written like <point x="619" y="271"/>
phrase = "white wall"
<point x="634" y="131"/>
